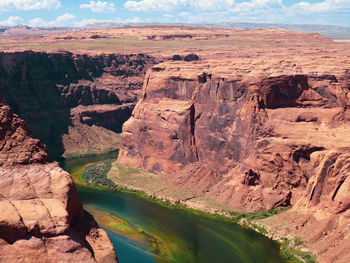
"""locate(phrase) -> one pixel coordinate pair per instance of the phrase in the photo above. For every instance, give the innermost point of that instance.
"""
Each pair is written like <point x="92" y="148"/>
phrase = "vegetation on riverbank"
<point x="292" y="251"/>
<point x="162" y="187"/>
<point x="257" y="215"/>
<point x="94" y="175"/>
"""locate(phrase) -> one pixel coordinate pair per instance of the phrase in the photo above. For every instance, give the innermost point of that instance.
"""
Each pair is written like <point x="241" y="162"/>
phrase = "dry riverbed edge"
<point x="293" y="249"/>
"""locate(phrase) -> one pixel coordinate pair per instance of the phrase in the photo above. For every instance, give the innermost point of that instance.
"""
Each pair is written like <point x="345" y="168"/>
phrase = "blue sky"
<point x="81" y="12"/>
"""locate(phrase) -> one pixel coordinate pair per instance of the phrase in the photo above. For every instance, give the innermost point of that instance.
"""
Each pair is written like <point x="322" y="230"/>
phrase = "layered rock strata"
<point x="244" y="129"/>
<point x="55" y="91"/>
<point x="41" y="215"/>
<point x="251" y="142"/>
<point x="322" y="216"/>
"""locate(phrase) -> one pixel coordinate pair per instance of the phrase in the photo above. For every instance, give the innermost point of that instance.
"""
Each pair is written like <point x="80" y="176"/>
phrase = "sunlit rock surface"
<point x="255" y="132"/>
<point x="41" y="215"/>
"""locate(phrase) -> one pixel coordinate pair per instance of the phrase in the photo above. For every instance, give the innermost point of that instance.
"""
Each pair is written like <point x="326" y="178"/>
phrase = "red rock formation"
<point x="321" y="217"/>
<point x="252" y="141"/>
<point x="107" y="116"/>
<point x="14" y="137"/>
<point x="253" y="124"/>
<point x="48" y="89"/>
<point x="243" y="128"/>
<point x="41" y="215"/>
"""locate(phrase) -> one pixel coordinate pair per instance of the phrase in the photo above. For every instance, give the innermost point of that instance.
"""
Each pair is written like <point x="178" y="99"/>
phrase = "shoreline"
<point x="89" y="155"/>
<point x="291" y="250"/>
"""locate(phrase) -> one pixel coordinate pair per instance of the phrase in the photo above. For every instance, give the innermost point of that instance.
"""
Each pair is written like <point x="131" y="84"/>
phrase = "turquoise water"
<point x="129" y="251"/>
<point x="180" y="236"/>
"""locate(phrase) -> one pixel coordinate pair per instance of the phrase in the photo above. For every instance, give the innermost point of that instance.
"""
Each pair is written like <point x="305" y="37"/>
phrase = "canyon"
<point x="42" y="218"/>
<point x="251" y="120"/>
<point x="65" y="94"/>
<point x="250" y="143"/>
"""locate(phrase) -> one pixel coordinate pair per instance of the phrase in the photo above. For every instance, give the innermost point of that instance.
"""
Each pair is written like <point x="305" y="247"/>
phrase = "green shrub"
<point x="96" y="174"/>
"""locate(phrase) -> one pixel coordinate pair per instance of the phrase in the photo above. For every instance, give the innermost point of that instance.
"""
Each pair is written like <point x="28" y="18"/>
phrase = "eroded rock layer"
<point x="252" y="140"/>
<point x="41" y="215"/>
<point x="322" y="215"/>
<point x="245" y="128"/>
<point x="53" y="92"/>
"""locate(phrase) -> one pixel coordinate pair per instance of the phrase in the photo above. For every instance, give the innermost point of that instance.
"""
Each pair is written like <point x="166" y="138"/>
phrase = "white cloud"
<point x="256" y="4"/>
<point x="12" y="21"/>
<point x="62" y="20"/>
<point x="168" y="16"/>
<point x="117" y="20"/>
<point x="167" y="5"/>
<point x="132" y="20"/>
<point x="27" y="5"/>
<point x="99" y="6"/>
<point x="85" y="22"/>
<point x="35" y="22"/>
<point x="240" y="8"/>
<point x="184" y="14"/>
<point x="324" y="6"/>
<point x="211" y="4"/>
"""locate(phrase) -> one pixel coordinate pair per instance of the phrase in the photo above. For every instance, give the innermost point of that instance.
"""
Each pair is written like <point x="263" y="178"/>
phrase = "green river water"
<point x="171" y="234"/>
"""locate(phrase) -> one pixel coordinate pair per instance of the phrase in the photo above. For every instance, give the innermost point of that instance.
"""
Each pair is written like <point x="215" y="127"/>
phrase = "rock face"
<point x="254" y="120"/>
<point x="246" y="129"/>
<point x="252" y="141"/>
<point x="41" y="215"/>
<point x="53" y="92"/>
<point x="14" y="137"/>
<point x="322" y="216"/>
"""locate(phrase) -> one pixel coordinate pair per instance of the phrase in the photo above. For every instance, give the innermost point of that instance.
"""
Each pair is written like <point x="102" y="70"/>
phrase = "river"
<point x="143" y="231"/>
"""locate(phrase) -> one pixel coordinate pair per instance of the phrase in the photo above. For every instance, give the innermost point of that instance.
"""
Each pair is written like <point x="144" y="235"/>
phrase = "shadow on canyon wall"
<point x="44" y="88"/>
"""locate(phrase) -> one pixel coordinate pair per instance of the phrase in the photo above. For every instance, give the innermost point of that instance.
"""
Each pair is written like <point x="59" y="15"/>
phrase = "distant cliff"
<point x="55" y="91"/>
<point x="258" y="120"/>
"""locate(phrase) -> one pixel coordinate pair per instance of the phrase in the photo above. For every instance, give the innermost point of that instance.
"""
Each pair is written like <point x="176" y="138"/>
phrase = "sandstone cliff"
<point x="59" y="94"/>
<point x="251" y="141"/>
<point x="41" y="215"/>
<point x="322" y="216"/>
<point x="244" y="129"/>
<point x="259" y="120"/>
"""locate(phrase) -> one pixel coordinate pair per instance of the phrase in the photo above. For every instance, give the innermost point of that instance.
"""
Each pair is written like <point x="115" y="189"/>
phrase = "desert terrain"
<point x="216" y="119"/>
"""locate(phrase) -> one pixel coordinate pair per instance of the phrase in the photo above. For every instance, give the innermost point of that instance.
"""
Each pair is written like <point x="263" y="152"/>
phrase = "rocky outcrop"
<point x="257" y="119"/>
<point x="321" y="217"/>
<point x="247" y="129"/>
<point x="55" y="91"/>
<point x="41" y="215"/>
<point x="16" y="145"/>
<point x="251" y="142"/>
<point x="107" y="116"/>
<point x="184" y="37"/>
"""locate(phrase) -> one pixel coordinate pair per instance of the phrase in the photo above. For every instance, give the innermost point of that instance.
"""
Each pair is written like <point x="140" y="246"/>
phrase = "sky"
<point x="81" y="12"/>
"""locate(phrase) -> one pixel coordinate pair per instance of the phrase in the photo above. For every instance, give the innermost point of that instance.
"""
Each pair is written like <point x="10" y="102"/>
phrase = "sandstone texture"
<point x="253" y="120"/>
<point x="255" y="131"/>
<point x="61" y="92"/>
<point x="322" y="215"/>
<point x="244" y="128"/>
<point x="16" y="144"/>
<point x="41" y="215"/>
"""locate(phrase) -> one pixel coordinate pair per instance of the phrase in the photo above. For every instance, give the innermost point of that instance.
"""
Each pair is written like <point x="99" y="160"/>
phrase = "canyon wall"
<point x="41" y="215"/>
<point x="54" y="92"/>
<point x="252" y="142"/>
<point x="255" y="135"/>
<point x="256" y="122"/>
